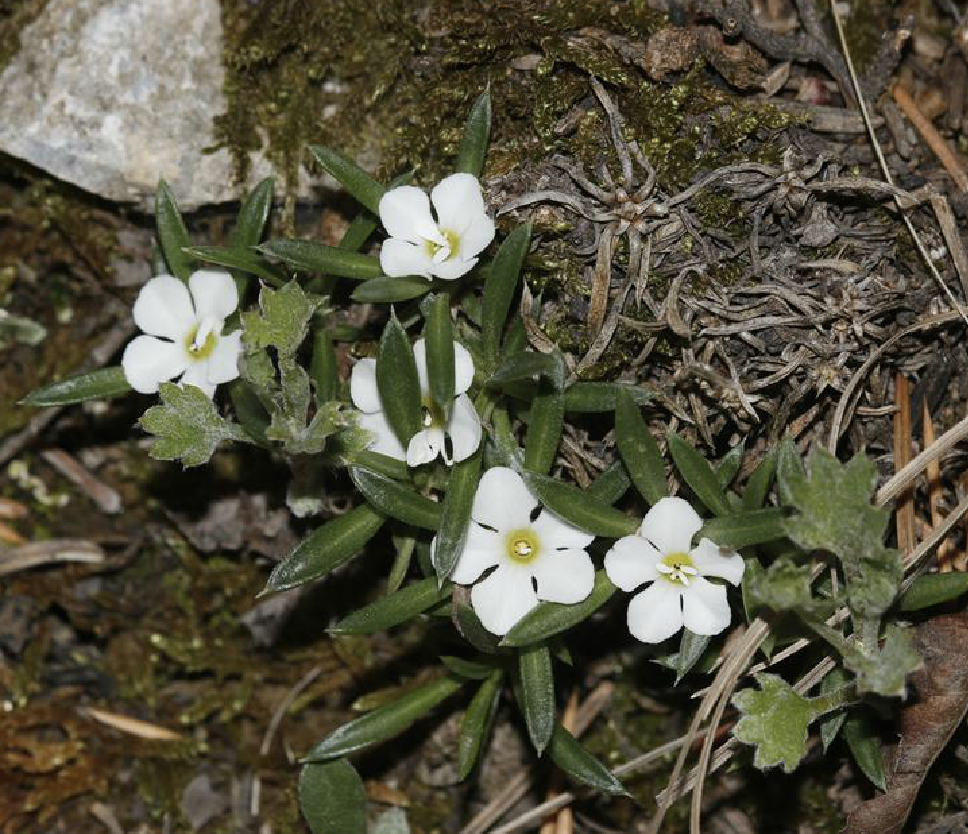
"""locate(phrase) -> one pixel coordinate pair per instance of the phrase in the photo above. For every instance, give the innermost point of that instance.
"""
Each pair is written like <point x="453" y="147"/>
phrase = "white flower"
<point x="462" y="427"/>
<point x="189" y="324"/>
<point x="679" y="595"/>
<point x="525" y="551"/>
<point x="444" y="248"/>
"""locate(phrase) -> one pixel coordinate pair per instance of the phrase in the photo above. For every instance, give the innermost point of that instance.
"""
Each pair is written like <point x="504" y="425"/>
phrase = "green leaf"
<point x="502" y="281"/>
<point x="700" y="476"/>
<point x="172" y="234"/>
<point x="386" y="721"/>
<point x="310" y="256"/>
<point x="323" y="369"/>
<point x="366" y="190"/>
<point x="691" y="649"/>
<point x="282" y="321"/>
<point x="611" y="485"/>
<point x="455" y="513"/>
<point x="933" y="589"/>
<point x="470" y="669"/>
<point x="332" y="798"/>
<point x="599" y="397"/>
<point x="393" y="609"/>
<point x="530" y="365"/>
<point x="440" y="350"/>
<point x="639" y="451"/>
<point x="789" y="467"/>
<point x="783" y="586"/>
<point x="728" y="467"/>
<point x="249" y="411"/>
<point x="95" y="385"/>
<point x="326" y="548"/>
<point x="473" y="631"/>
<point x="865" y="748"/>
<point x="538" y="693"/>
<point x="253" y="214"/>
<point x="576" y="507"/>
<point x="758" y="485"/>
<point x="381" y="464"/>
<point x="544" y="433"/>
<point x="397" y="381"/>
<point x="390" y="290"/>
<point x="475" y="722"/>
<point x="244" y="260"/>
<point x="746" y="528"/>
<point x="477" y="130"/>
<point x="550" y="618"/>
<point x="831" y="724"/>
<point x="187" y="426"/>
<point x="395" y="499"/>
<point x="569" y="755"/>
<point x="883" y="670"/>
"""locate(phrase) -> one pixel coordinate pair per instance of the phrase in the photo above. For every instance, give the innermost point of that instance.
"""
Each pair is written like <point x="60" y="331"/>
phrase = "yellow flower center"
<point x="677" y="568"/>
<point x="452" y="246"/>
<point x="522" y="546"/>
<point x="433" y="415"/>
<point x="200" y="341"/>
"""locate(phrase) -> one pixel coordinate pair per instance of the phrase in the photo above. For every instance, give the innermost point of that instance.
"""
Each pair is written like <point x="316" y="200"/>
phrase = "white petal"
<point x="363" y="390"/>
<point x="223" y="363"/>
<point x="196" y="375"/>
<point x="405" y="214"/>
<point x="420" y="359"/>
<point x="464" y="428"/>
<point x="164" y="308"/>
<point x="483" y="549"/>
<point x="503" y="501"/>
<point x="503" y="598"/>
<point x="564" y="576"/>
<point x="451" y="268"/>
<point x="425" y="446"/>
<point x="383" y="441"/>
<point x="399" y="259"/>
<point x="655" y="613"/>
<point x="556" y="533"/>
<point x="631" y="562"/>
<point x="214" y="293"/>
<point x="476" y="237"/>
<point x="458" y="202"/>
<point x="710" y="560"/>
<point x="670" y="525"/>
<point x="463" y="368"/>
<point x="147" y="362"/>
<point x="705" y="609"/>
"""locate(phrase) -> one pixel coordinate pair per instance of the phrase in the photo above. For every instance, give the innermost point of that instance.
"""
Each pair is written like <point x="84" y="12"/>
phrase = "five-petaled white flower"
<point x="462" y="426"/>
<point x="679" y="595"/>
<point x="443" y="248"/>
<point x="527" y="549"/>
<point x="184" y="327"/>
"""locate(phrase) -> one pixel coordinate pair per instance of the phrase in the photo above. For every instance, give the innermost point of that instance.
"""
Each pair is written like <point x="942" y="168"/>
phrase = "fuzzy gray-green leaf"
<point x="282" y="320"/>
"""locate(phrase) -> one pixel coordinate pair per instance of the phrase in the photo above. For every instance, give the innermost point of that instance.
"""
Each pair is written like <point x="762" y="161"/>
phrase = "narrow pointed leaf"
<point x="332" y="798"/>
<point x="393" y="609"/>
<point x="326" y="548"/>
<point x="599" y="397"/>
<point x="746" y="528"/>
<point x="322" y="367"/>
<point x="502" y="282"/>
<point x="366" y="190"/>
<point x="550" y="618"/>
<point x="309" y="256"/>
<point x="728" y="466"/>
<point x="475" y="722"/>
<point x="390" y="290"/>
<point x="397" y="381"/>
<point x="639" y="451"/>
<point x="249" y="411"/>
<point x="758" y="485"/>
<point x="544" y="433"/>
<point x="439" y="336"/>
<point x="472" y="630"/>
<point x="789" y="468"/>
<point x="477" y="131"/>
<point x="569" y="755"/>
<point x="700" y="476"/>
<point x="357" y="233"/>
<point x="244" y="260"/>
<point x="386" y="721"/>
<point x="381" y="464"/>
<point x="531" y="365"/>
<point x="933" y="589"/>
<point x="865" y="748"/>
<point x="395" y="499"/>
<point x="172" y="234"/>
<point x="538" y="692"/>
<point x="691" y="648"/>
<point x="95" y="385"/>
<point x="456" y="513"/>
<point x="611" y="485"/>
<point x="470" y="669"/>
<point x="576" y="507"/>
<point x="253" y="214"/>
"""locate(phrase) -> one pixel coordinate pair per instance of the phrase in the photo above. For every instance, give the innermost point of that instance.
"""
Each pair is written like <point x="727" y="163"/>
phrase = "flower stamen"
<point x="522" y="546"/>
<point x="677" y="568"/>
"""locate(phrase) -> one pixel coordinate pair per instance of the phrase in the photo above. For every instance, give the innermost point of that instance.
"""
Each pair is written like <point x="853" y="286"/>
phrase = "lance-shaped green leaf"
<point x="789" y="468"/>
<point x="700" y="476"/>
<point x="538" y="694"/>
<point x="332" y="798"/>
<point x="310" y="256"/>
<point x="471" y="628"/>
<point x="390" y="290"/>
<point x="571" y="757"/>
<point x="758" y="485"/>
<point x="172" y="234"/>
<point x="395" y="499"/>
<point x="439" y="343"/>
<point x="639" y="451"/>
<point x="95" y="385"/>
<point x="249" y="411"/>
<point x="691" y="649"/>
<point x="366" y="190"/>
<point x="611" y="485"/>
<point x="477" y="131"/>
<point x="502" y="281"/>
<point x="544" y="433"/>
<point x="244" y="260"/>
<point x="830" y="726"/>
<point x="253" y="214"/>
<point x="933" y="589"/>
<point x="576" y="507"/>
<point x="547" y="619"/>
<point x="381" y="464"/>
<point x="474" y="724"/>
<point x="456" y="513"/>
<point x="326" y="548"/>
<point x="775" y="719"/>
<point x="323" y="366"/>
<point x="386" y="721"/>
<point x="728" y="466"/>
<point x="599" y="397"/>
<point x="393" y="609"/>
<point x="865" y="747"/>
<point x="530" y="365"/>
<point x="464" y="668"/>
<point x="397" y="381"/>
<point x="746" y="528"/>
